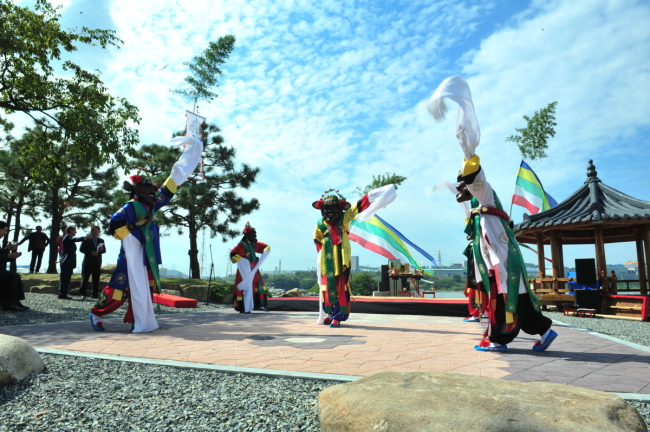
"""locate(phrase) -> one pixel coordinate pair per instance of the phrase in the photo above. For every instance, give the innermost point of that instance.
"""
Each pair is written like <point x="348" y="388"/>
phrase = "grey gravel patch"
<point x="294" y="340"/>
<point x="47" y="308"/>
<point x="637" y="332"/>
<point x="79" y="394"/>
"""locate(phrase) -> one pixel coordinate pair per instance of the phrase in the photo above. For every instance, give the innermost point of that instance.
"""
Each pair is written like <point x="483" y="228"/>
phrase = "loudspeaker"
<point x="384" y="275"/>
<point x="383" y="286"/>
<point x="588" y="299"/>
<point x="586" y="272"/>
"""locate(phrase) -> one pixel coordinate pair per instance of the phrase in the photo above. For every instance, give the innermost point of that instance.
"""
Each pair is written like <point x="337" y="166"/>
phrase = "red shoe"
<point x="335" y="323"/>
<point x="327" y="320"/>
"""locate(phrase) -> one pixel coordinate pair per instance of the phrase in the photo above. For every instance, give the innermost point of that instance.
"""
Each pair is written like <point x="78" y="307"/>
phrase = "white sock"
<point x="96" y="319"/>
<point x="494" y="344"/>
<point x="545" y="335"/>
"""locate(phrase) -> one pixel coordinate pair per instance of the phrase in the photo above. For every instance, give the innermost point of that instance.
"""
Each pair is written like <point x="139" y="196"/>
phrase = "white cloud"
<point x="326" y="95"/>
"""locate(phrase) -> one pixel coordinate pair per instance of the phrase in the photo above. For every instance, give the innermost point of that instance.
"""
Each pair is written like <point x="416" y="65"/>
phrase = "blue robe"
<point x="125" y="217"/>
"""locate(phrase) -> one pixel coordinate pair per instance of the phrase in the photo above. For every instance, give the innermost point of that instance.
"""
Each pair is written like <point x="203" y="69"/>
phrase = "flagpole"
<point x="513" y="193"/>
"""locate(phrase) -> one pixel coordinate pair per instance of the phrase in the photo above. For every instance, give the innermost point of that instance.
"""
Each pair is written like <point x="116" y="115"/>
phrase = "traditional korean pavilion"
<point x="594" y="214"/>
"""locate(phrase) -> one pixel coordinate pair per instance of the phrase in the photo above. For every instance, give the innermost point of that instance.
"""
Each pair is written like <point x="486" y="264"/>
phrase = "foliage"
<point x="379" y="181"/>
<point x="205" y="71"/>
<point x="210" y="202"/>
<point x="363" y="284"/>
<point x="219" y="290"/>
<point x="444" y="283"/>
<point x="73" y="190"/>
<point x="285" y="281"/>
<point x="79" y="108"/>
<point x="532" y="140"/>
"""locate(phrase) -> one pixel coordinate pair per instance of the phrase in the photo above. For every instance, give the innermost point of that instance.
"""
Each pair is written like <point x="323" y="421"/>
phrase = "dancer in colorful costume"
<point x="136" y="273"/>
<point x="249" y="292"/>
<point x="334" y="251"/>
<point x="498" y="262"/>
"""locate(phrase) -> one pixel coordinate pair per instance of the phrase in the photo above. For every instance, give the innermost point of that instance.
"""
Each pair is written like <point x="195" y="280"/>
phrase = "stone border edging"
<point x="274" y="373"/>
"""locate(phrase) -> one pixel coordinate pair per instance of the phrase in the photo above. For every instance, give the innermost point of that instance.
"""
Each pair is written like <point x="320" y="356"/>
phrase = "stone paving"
<point x="368" y="343"/>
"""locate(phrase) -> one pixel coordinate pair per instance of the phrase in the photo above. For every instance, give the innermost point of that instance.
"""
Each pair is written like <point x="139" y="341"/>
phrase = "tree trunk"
<point x="54" y="234"/>
<point x="10" y="216"/>
<point x="195" y="269"/>
<point x="19" y="209"/>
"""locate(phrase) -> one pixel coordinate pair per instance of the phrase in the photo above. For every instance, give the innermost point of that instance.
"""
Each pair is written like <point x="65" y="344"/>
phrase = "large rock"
<point x="438" y="401"/>
<point x="292" y="293"/>
<point x="173" y="286"/>
<point x="227" y="298"/>
<point x="44" y="289"/>
<point x="28" y="284"/>
<point x="17" y="359"/>
<point x="196" y="292"/>
<point x="108" y="269"/>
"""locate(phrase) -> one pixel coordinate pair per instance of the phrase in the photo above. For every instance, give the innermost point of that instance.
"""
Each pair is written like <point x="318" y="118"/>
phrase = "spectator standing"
<point x="38" y="241"/>
<point x="93" y="249"/>
<point x="68" y="260"/>
<point x="59" y="241"/>
<point x="11" y="287"/>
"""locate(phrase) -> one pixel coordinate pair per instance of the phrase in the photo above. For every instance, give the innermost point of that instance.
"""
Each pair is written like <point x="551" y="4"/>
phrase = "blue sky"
<point x="327" y="94"/>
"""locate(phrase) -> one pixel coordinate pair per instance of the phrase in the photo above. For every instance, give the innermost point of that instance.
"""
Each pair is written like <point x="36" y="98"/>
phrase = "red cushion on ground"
<point x="174" y="301"/>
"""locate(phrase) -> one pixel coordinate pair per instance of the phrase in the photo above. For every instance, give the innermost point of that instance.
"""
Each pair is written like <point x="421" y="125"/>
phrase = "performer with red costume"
<point x="334" y="251"/>
<point x="498" y="263"/>
<point x="249" y="292"/>
<point x="136" y="273"/>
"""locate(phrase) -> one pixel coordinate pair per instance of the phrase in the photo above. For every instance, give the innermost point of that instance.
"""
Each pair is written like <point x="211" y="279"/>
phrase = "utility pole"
<point x="439" y="259"/>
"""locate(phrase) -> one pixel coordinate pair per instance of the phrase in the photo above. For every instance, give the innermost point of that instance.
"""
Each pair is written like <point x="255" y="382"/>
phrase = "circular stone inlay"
<point x="305" y="340"/>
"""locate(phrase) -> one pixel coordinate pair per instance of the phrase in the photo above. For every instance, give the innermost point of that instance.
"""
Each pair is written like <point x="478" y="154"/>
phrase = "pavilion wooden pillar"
<point x="601" y="261"/>
<point x="646" y="241"/>
<point x="541" y="264"/>
<point x="556" y="256"/>
<point x="640" y="252"/>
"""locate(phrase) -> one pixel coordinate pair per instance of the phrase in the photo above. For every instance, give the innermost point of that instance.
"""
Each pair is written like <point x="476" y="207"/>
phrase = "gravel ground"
<point x="637" y="332"/>
<point x="47" y="308"/>
<point x="76" y="393"/>
<point x="83" y="394"/>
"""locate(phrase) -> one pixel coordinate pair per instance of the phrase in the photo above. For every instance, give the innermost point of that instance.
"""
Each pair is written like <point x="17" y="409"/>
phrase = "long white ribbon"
<point x="186" y="164"/>
<point x="248" y="275"/>
<point x="379" y="198"/>
<point x="467" y="129"/>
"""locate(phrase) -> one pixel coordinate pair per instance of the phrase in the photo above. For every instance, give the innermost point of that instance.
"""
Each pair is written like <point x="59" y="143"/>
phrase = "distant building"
<point x="450" y="272"/>
<point x="457" y="266"/>
<point x="355" y="263"/>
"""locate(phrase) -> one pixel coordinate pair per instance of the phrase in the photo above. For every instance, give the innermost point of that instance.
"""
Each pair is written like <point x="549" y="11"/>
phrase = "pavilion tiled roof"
<point x="593" y="201"/>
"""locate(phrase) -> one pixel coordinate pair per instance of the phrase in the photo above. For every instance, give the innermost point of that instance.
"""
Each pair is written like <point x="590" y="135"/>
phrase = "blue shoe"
<point x="96" y="327"/>
<point x="471" y="319"/>
<point x="263" y="309"/>
<point x="539" y="346"/>
<point x="502" y="348"/>
<point x="335" y="323"/>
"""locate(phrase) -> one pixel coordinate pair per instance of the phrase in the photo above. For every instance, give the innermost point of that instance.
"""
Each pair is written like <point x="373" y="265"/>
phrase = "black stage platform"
<point x="379" y="305"/>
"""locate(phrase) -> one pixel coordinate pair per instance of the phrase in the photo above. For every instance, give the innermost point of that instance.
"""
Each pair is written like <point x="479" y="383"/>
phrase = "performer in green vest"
<point x="333" y="247"/>
<point x="497" y="259"/>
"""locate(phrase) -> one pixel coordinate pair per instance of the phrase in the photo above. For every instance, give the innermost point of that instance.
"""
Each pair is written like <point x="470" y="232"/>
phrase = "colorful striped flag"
<point x="380" y="237"/>
<point x="529" y="192"/>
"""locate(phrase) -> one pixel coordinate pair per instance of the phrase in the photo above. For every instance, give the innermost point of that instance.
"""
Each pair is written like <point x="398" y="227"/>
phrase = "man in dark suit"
<point x="38" y="241"/>
<point x="68" y="260"/>
<point x="93" y="249"/>
<point x="11" y="287"/>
